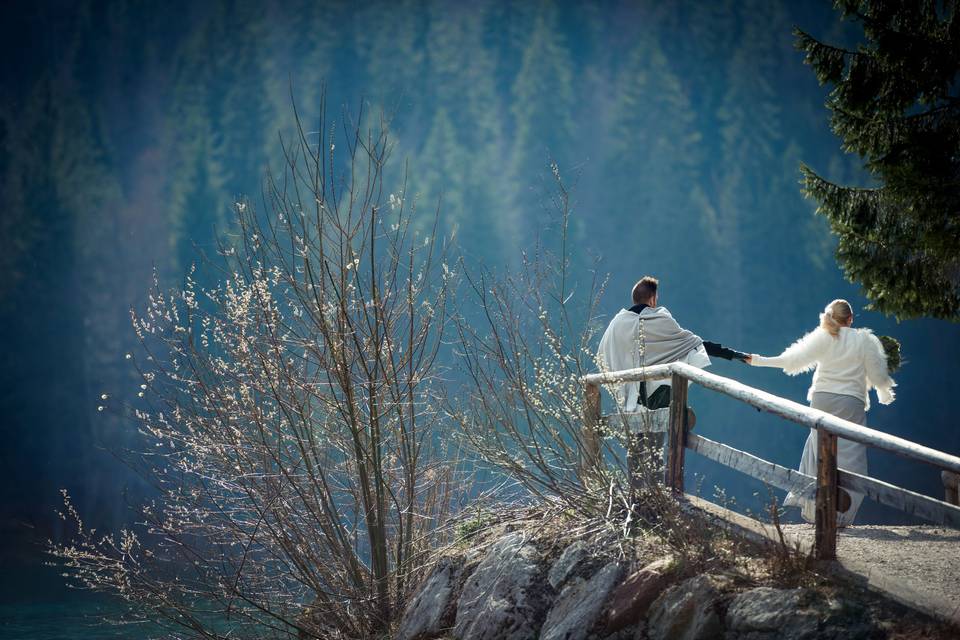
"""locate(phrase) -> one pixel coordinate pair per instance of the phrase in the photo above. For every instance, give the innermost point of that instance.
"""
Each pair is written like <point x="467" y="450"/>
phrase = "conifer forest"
<point x="687" y="137"/>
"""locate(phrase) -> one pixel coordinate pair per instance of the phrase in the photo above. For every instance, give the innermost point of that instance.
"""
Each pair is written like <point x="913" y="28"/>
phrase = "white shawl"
<point x="662" y="341"/>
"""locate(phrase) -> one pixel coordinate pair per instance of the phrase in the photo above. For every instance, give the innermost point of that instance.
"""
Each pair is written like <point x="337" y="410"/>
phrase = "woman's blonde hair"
<point x="835" y="315"/>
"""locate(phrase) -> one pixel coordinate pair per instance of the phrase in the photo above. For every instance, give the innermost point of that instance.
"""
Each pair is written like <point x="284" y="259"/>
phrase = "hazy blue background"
<point x="128" y="128"/>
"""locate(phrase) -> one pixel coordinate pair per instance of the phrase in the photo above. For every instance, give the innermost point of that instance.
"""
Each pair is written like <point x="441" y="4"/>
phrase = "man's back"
<point x="644" y="336"/>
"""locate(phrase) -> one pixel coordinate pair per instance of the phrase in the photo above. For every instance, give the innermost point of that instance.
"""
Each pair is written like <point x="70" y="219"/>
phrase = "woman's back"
<point x="842" y="366"/>
<point x="849" y="363"/>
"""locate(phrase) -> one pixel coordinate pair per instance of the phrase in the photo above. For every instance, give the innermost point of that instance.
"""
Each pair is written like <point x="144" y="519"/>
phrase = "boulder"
<point x="632" y="598"/>
<point x="580" y="604"/>
<point x="432" y="610"/>
<point x="571" y="558"/>
<point x="766" y="613"/>
<point x="505" y="597"/>
<point x="687" y="611"/>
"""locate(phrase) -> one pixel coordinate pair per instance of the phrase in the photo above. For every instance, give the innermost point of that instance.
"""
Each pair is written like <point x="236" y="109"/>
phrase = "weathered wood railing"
<point x="823" y="489"/>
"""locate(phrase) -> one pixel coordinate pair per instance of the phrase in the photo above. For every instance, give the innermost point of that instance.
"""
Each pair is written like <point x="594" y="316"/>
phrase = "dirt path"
<point x="918" y="565"/>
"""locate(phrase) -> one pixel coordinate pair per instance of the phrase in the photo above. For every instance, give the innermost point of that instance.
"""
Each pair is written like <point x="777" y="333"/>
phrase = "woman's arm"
<point x="878" y="375"/>
<point x="801" y="356"/>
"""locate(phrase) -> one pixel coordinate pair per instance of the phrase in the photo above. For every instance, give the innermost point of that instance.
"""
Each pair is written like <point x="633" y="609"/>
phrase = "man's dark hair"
<point x="645" y="289"/>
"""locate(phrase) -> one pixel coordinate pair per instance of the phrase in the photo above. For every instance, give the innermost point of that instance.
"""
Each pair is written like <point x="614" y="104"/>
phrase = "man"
<point x="646" y="334"/>
<point x="643" y="335"/>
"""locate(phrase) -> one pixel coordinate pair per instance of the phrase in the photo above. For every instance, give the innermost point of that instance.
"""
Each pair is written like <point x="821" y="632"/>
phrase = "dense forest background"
<point x="129" y="128"/>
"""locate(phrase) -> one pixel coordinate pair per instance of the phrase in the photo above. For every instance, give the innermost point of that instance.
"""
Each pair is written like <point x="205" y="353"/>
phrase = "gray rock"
<point x="432" y="610"/>
<point x="579" y="606"/>
<point x="571" y="557"/>
<point x="505" y="596"/>
<point x="632" y="598"/>
<point x="687" y="611"/>
<point x="767" y="613"/>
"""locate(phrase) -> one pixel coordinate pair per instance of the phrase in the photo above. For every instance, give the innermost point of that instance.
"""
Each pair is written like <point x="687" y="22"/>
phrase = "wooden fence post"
<point x="951" y="487"/>
<point x="825" y="543"/>
<point x="673" y="475"/>
<point x="591" y="421"/>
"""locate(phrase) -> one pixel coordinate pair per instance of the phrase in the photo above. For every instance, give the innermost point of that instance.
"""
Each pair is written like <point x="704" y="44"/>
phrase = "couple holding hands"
<point x="847" y="363"/>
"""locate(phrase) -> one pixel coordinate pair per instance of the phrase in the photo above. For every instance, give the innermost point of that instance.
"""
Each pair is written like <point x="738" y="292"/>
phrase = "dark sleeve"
<point x="717" y="350"/>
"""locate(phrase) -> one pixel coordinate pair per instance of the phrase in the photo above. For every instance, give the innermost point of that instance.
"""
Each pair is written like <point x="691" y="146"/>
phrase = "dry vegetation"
<point x="299" y="428"/>
<point x="292" y="414"/>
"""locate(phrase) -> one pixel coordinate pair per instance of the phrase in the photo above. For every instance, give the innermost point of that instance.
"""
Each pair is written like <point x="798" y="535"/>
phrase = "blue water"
<point x="36" y="603"/>
<point x="57" y="619"/>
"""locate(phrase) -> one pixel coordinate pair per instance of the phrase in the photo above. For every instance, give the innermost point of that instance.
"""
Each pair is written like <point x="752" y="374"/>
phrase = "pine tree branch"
<point x="874" y="136"/>
<point x="803" y="36"/>
<point x="827" y="61"/>
<point x="810" y="173"/>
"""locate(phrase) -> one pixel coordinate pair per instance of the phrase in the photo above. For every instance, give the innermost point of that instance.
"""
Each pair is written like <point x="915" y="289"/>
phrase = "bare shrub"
<point x="524" y="349"/>
<point x="292" y="414"/>
<point x="787" y="563"/>
<point x="524" y="342"/>
<point x="524" y="352"/>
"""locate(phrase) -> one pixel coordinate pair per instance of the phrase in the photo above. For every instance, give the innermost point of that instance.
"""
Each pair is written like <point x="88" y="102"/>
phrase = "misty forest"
<point x="287" y="288"/>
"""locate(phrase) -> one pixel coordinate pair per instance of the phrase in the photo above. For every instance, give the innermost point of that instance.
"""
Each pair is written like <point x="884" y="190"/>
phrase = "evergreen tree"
<point x="461" y="155"/>
<point x="544" y="129"/>
<point x="652" y="169"/>
<point x="748" y="119"/>
<point x="389" y="45"/>
<point x="895" y="102"/>
<point x="198" y="193"/>
<point x="508" y="29"/>
<point x="440" y="171"/>
<point x="243" y="111"/>
<point x="299" y="50"/>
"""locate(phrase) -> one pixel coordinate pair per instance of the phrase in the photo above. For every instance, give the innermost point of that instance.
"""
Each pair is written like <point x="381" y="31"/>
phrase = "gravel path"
<point x="911" y="563"/>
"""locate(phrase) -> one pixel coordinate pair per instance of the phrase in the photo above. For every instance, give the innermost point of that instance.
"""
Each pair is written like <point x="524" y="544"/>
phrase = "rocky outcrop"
<point x="765" y="613"/>
<point x="576" y="554"/>
<point x="504" y="598"/>
<point x="687" y="611"/>
<point x="514" y="591"/>
<point x="578" y="607"/>
<point x="433" y="609"/>
<point x="631" y="599"/>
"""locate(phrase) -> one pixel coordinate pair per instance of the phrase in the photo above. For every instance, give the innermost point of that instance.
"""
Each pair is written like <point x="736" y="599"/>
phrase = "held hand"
<point x="749" y="359"/>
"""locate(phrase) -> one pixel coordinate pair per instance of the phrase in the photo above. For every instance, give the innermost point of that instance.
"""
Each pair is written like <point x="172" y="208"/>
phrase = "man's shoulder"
<point x="656" y="312"/>
<point x="621" y="317"/>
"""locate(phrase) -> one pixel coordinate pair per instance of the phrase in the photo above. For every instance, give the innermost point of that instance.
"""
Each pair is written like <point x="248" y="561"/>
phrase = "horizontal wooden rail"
<point x="773" y="474"/>
<point x="804" y="486"/>
<point x="903" y="499"/>
<point x="653" y="372"/>
<point x="793" y="411"/>
<point x="823" y="488"/>
<point x="816" y="419"/>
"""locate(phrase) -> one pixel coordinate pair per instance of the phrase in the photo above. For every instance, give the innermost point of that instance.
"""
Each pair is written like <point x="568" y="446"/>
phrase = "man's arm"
<point x="717" y="350"/>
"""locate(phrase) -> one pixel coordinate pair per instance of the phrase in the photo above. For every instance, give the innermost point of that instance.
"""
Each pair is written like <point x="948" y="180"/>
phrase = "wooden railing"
<point x="823" y="489"/>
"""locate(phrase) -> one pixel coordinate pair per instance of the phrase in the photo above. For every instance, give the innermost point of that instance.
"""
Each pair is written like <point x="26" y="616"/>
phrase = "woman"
<point x="848" y="363"/>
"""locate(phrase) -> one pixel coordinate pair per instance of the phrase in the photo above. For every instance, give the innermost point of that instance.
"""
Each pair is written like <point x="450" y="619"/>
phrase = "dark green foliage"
<point x="895" y="103"/>
<point x="891" y="347"/>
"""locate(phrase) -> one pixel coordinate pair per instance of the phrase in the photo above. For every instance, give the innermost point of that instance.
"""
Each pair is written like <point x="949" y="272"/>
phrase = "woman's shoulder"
<point x="818" y="334"/>
<point x="816" y="340"/>
<point x="861" y="338"/>
<point x="862" y="334"/>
